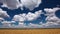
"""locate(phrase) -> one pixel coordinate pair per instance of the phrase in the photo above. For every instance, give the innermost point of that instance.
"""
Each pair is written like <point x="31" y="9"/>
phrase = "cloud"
<point x="20" y="17"/>
<point x="31" y="4"/>
<point x="50" y="11"/>
<point x="31" y="25"/>
<point x="26" y="17"/>
<point x="51" y="19"/>
<point x="1" y="19"/>
<point x="21" y="25"/>
<point x="3" y="13"/>
<point x="10" y="24"/>
<point x="7" y="24"/>
<point x="29" y="17"/>
<point x="15" y="4"/>
<point x="10" y="4"/>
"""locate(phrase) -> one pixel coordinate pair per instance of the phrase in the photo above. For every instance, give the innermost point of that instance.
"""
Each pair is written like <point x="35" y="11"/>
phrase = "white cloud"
<point x="31" y="25"/>
<point x="21" y="25"/>
<point x="10" y="4"/>
<point x="10" y="24"/>
<point x="1" y="19"/>
<point x="20" y="17"/>
<point x="3" y="13"/>
<point x="31" y="4"/>
<point x="29" y="17"/>
<point x="50" y="11"/>
<point x="7" y="24"/>
<point x="51" y="17"/>
<point x="14" y="4"/>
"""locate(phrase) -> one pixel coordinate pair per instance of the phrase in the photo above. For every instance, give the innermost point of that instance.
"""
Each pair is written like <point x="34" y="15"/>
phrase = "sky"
<point x="29" y="13"/>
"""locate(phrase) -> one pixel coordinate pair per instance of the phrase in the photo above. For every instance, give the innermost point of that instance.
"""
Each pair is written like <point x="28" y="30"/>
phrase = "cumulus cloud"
<point x="26" y="17"/>
<point x="7" y="24"/>
<point x="20" y="17"/>
<point x="29" y="17"/>
<point x="31" y="25"/>
<point x="21" y="25"/>
<point x="1" y="19"/>
<point x="10" y="24"/>
<point x="31" y="4"/>
<point x="10" y="4"/>
<point x="3" y="13"/>
<point x="51" y="19"/>
<point x="14" y="4"/>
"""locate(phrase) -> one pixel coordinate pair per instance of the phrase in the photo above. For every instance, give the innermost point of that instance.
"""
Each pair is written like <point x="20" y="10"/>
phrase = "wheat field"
<point x="29" y="31"/>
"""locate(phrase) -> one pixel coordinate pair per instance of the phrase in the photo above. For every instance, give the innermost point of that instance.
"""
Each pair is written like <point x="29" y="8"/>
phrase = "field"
<point x="29" y="31"/>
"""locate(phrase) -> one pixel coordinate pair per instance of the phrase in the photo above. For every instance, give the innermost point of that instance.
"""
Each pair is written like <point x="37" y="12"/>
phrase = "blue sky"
<point x="49" y="4"/>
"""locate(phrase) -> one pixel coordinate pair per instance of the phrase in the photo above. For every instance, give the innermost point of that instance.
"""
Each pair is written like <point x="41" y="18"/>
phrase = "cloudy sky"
<point x="29" y="13"/>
